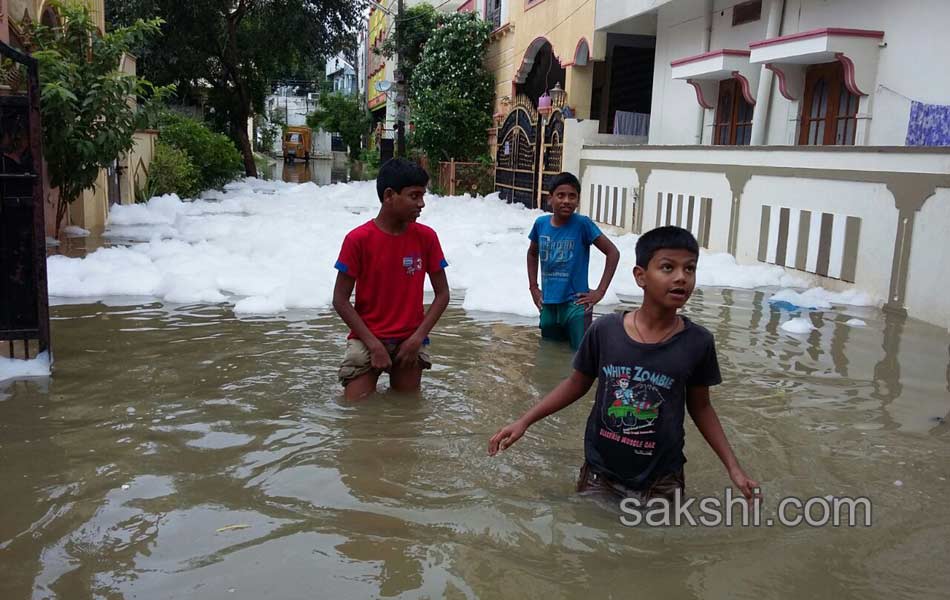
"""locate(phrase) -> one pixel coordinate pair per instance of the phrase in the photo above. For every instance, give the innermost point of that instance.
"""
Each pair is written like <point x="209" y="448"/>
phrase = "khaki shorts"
<point x="663" y="487"/>
<point x="357" y="361"/>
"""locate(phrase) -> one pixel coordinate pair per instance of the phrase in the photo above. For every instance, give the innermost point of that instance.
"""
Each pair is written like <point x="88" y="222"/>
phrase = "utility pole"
<point x="400" y="90"/>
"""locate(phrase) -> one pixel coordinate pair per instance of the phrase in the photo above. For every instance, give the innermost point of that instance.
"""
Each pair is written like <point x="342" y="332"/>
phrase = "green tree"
<point x="87" y="104"/>
<point x="412" y="32"/>
<point x="213" y="154"/>
<point x="452" y="91"/>
<point x="229" y="51"/>
<point x="171" y="172"/>
<point x="345" y="115"/>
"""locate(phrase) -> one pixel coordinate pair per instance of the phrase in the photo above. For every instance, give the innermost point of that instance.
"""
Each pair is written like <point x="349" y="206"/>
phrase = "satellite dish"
<point x="384" y="86"/>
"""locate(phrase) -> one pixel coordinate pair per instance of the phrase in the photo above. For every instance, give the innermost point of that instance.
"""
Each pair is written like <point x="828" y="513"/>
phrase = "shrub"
<point x="171" y="172"/>
<point x="214" y="156"/>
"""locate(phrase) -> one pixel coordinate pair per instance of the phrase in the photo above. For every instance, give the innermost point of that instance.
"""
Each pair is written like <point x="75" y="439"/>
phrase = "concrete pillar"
<point x="578" y="83"/>
<point x="763" y="96"/>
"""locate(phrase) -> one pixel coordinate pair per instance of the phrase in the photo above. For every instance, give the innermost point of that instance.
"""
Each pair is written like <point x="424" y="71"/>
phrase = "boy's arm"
<point x="603" y="244"/>
<point x="341" y="303"/>
<point x="533" y="274"/>
<point x="707" y="421"/>
<point x="409" y="349"/>
<point x="563" y="395"/>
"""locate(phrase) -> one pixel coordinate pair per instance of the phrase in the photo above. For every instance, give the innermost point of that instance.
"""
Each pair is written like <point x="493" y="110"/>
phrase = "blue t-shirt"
<point x="564" y="253"/>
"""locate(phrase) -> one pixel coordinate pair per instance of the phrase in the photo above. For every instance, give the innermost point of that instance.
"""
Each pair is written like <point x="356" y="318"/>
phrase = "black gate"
<point x="552" y="151"/>
<point x="24" y="304"/>
<point x="516" y="175"/>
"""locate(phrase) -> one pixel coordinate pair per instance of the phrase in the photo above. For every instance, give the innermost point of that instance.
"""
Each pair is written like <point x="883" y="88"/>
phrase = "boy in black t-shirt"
<point x="652" y="366"/>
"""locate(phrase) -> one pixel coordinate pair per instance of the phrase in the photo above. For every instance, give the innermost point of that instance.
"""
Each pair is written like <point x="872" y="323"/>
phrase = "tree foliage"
<point x="171" y="172"/>
<point x="214" y="155"/>
<point x="412" y="32"/>
<point x="345" y="115"/>
<point x="452" y="91"/>
<point x="87" y="104"/>
<point x="227" y="52"/>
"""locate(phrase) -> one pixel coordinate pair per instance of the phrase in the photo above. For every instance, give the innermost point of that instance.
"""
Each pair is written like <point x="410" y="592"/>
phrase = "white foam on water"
<point x="268" y="247"/>
<point x="820" y="298"/>
<point x="798" y="325"/>
<point x="12" y="368"/>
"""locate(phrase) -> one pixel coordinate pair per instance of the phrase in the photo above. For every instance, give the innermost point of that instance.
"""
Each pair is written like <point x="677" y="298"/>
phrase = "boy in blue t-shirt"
<point x="561" y="243"/>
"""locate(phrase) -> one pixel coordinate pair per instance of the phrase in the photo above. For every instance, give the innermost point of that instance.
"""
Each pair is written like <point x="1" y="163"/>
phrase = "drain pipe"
<point x="707" y="38"/>
<point x="763" y="95"/>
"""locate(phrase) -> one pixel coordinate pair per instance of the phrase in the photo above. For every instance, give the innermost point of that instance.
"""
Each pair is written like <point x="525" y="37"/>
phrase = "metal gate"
<point x="530" y="150"/>
<point x="517" y="159"/>
<point x="24" y="304"/>
<point x="552" y="151"/>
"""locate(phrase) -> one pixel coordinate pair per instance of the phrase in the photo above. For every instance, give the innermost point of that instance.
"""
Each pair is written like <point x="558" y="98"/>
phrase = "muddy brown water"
<point x="181" y="452"/>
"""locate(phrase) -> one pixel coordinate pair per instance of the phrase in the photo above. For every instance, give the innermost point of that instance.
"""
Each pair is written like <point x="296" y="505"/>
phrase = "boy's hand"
<point x="590" y="299"/>
<point x="506" y="436"/>
<point x="748" y="487"/>
<point x="379" y="356"/>
<point x="536" y="296"/>
<point x="407" y="355"/>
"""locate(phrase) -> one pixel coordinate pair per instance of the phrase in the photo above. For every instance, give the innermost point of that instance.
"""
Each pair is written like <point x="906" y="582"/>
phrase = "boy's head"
<point x="565" y="194"/>
<point x="666" y="265"/>
<point x="401" y="186"/>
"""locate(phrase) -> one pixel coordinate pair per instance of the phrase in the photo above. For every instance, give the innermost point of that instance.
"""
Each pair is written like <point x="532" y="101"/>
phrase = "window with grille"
<point x="829" y="109"/>
<point x="733" y="126"/>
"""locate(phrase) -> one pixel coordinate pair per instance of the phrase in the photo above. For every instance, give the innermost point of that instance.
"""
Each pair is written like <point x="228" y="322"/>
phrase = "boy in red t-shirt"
<point x="387" y="259"/>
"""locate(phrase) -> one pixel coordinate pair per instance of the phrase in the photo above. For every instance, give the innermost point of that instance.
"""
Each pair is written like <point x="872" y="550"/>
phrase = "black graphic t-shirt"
<point x="635" y="430"/>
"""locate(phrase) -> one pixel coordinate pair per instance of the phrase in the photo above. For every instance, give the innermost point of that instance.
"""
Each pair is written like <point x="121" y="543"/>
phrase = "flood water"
<point x="181" y="452"/>
<point x="318" y="171"/>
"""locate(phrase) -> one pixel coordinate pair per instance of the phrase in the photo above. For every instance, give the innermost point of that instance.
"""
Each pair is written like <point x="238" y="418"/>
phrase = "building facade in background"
<point x="380" y="72"/>
<point x="808" y="134"/>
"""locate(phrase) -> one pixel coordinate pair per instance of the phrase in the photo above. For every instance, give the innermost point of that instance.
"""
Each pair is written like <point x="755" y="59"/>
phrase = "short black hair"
<point x="564" y="178"/>
<point x="399" y="173"/>
<point x="669" y="237"/>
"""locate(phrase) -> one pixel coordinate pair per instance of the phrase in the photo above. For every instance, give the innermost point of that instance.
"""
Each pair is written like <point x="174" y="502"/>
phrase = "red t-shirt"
<point x="390" y="272"/>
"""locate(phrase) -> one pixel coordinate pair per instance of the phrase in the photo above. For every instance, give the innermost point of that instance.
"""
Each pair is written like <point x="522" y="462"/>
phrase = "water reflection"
<point x="319" y="171"/>
<point x="181" y="452"/>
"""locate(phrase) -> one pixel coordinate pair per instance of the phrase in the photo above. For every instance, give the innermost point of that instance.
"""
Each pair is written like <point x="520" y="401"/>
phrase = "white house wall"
<point x="674" y="110"/>
<point x="664" y="186"/>
<point x="929" y="268"/>
<point x="872" y="203"/>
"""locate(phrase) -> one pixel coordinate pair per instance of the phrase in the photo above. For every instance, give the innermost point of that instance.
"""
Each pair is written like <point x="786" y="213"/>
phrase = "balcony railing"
<point x="851" y="215"/>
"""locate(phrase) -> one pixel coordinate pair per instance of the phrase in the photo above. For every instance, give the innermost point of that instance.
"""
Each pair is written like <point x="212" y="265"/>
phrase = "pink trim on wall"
<point x="705" y="55"/>
<point x="527" y="50"/>
<point x="467" y="7"/>
<point x="746" y="88"/>
<point x="700" y="97"/>
<point x="828" y="31"/>
<point x="849" y="80"/>
<point x="782" y="84"/>
<point x="577" y="49"/>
